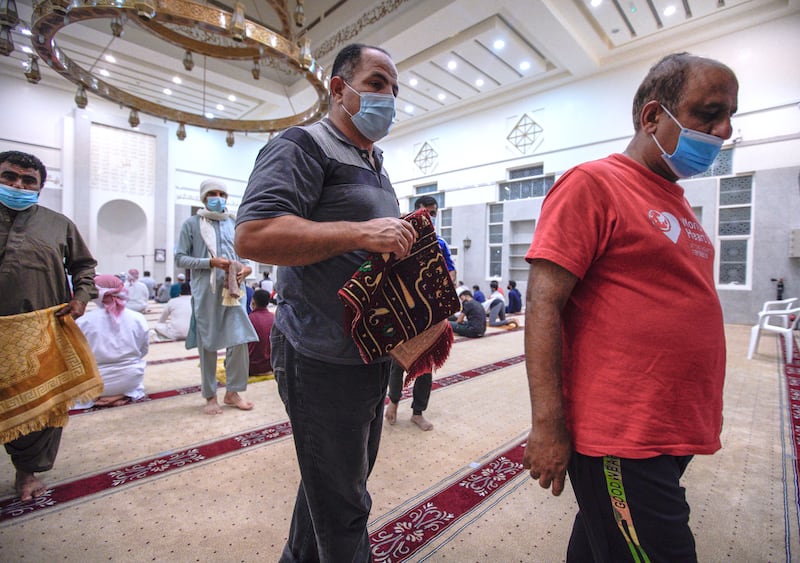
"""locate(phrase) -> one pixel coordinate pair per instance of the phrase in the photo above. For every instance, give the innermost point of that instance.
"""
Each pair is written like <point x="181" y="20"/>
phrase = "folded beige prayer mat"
<point x="46" y="365"/>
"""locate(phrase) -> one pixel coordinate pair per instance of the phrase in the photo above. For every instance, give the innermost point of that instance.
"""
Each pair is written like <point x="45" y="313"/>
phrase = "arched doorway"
<point x="122" y="238"/>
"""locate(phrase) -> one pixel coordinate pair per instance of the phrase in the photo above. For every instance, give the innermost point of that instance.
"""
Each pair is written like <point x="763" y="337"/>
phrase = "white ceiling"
<point x="445" y="50"/>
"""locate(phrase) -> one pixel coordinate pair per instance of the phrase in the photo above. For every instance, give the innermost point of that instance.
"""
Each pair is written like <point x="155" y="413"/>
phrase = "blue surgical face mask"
<point x="16" y="199"/>
<point x="375" y="116"/>
<point x="216" y="204"/>
<point x="694" y="153"/>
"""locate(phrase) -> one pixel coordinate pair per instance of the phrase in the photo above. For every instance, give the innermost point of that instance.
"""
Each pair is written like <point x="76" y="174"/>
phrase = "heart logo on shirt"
<point x="665" y="222"/>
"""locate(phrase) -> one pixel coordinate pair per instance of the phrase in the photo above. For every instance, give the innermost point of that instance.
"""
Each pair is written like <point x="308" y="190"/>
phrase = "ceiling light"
<point x="220" y="107"/>
<point x="181" y="132"/>
<point x="110" y="59"/>
<point x="299" y="14"/>
<point x="479" y="82"/>
<point x="104" y="72"/>
<point x="25" y="31"/>
<point x="499" y="44"/>
<point x="32" y="73"/>
<point x="81" y="100"/>
<point x="441" y="96"/>
<point x="413" y="82"/>
<point x="524" y="65"/>
<point x="116" y="27"/>
<point x="6" y="40"/>
<point x="452" y="65"/>
<point x="133" y="119"/>
<point x="231" y="98"/>
<point x="167" y="91"/>
<point x="211" y="32"/>
<point x="9" y="17"/>
<point x="669" y="10"/>
<point x="188" y="61"/>
<point x="27" y="50"/>
<point x="596" y="3"/>
<point x="409" y="109"/>
<point x="229" y="139"/>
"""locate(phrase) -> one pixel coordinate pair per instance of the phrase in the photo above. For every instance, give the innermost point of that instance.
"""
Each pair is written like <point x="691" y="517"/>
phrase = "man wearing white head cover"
<point x="205" y="246"/>
<point x="118" y="337"/>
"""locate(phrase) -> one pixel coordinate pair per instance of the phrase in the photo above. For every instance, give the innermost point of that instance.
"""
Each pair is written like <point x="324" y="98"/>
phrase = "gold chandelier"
<point x="196" y="28"/>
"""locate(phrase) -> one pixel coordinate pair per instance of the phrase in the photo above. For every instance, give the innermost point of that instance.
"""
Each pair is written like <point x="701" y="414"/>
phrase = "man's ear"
<point x="650" y="116"/>
<point x="336" y="87"/>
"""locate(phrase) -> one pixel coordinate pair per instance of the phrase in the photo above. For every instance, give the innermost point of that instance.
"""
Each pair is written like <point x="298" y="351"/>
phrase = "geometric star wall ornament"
<point x="525" y="134"/>
<point x="426" y="158"/>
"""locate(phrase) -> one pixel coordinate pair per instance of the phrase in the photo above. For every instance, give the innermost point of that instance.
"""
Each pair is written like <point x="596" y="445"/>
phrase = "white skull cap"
<point x="211" y="185"/>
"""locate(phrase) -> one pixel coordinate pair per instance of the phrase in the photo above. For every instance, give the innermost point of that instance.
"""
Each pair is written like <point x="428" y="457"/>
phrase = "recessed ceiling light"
<point x="441" y="96"/>
<point x="167" y="91"/>
<point x="452" y="65"/>
<point x="479" y="82"/>
<point x="669" y="10"/>
<point x="209" y="115"/>
<point x="231" y="98"/>
<point x="596" y="3"/>
<point x="220" y="107"/>
<point x="409" y="109"/>
<point x="25" y="31"/>
<point x="524" y="65"/>
<point x="413" y="82"/>
<point x="104" y="72"/>
<point x="110" y="59"/>
<point x="177" y="80"/>
<point x="499" y="44"/>
<point x="26" y="49"/>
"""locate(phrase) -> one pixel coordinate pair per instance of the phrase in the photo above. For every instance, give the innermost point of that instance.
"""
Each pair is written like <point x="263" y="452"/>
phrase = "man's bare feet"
<point x="28" y="485"/>
<point x="422" y="422"/>
<point x="212" y="406"/>
<point x="391" y="413"/>
<point x="233" y="399"/>
<point x="112" y="401"/>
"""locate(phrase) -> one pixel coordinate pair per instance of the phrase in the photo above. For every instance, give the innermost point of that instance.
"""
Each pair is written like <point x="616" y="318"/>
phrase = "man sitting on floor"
<point x="262" y="319"/>
<point x="471" y="320"/>
<point x="175" y="318"/>
<point x="495" y="307"/>
<point x="119" y="341"/>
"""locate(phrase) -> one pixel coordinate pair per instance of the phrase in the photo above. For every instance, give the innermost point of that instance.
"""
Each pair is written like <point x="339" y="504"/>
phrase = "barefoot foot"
<point x="29" y="486"/>
<point x="422" y="422"/>
<point x="235" y="400"/>
<point x="212" y="406"/>
<point x="391" y="413"/>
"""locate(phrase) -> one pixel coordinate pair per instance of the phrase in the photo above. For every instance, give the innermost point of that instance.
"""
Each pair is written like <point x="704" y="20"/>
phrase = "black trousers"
<point x="35" y="452"/>
<point x="630" y="510"/>
<point x="422" y="388"/>
<point x="336" y="413"/>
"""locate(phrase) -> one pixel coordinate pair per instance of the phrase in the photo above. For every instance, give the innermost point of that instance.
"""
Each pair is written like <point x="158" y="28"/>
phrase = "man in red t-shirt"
<point x="262" y="319"/>
<point x="624" y="340"/>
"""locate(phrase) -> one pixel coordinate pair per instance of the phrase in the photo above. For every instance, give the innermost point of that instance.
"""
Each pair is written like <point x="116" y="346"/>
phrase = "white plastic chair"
<point x="776" y="317"/>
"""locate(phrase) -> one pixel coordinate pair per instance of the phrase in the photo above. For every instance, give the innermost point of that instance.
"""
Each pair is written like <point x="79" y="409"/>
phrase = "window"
<point x="526" y="182"/>
<point x="444" y="225"/>
<point x="495" y="240"/>
<point x="722" y="165"/>
<point x="735" y="229"/>
<point x="427" y="189"/>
